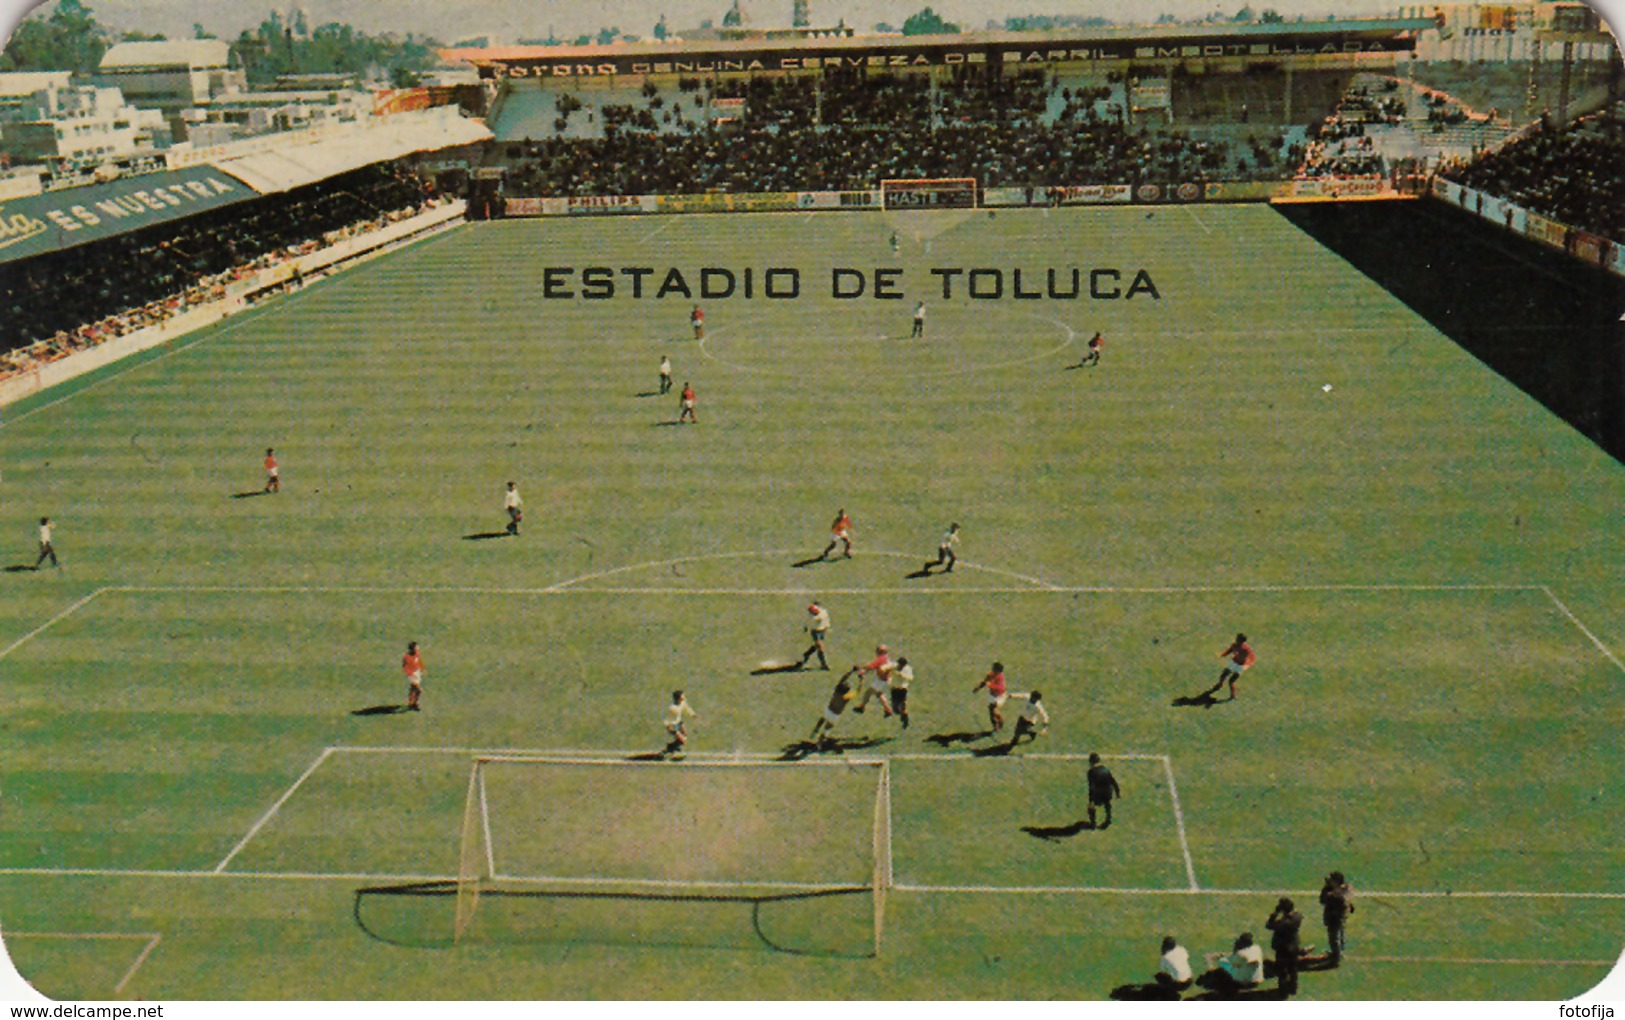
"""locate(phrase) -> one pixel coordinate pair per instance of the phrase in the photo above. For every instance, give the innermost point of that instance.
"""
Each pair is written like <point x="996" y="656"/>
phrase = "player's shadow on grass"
<point x="1248" y="994"/>
<point x="664" y="424"/>
<point x="806" y="748"/>
<point x="962" y="737"/>
<point x="250" y="494"/>
<point x="22" y="568"/>
<point x="1148" y="992"/>
<point x="789" y="667"/>
<point x="924" y="571"/>
<point x="1055" y="833"/>
<point x="809" y="561"/>
<point x="380" y="710"/>
<point x="482" y="536"/>
<point x="1203" y="700"/>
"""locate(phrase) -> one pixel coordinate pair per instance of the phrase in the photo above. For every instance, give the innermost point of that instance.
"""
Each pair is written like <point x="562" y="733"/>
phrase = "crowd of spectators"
<point x="70" y="300"/>
<point x="1340" y="145"/>
<point x="1568" y="173"/>
<point x="851" y="130"/>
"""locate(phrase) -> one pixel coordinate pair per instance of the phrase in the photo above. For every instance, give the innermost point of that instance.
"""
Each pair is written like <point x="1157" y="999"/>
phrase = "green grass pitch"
<point x="1426" y="561"/>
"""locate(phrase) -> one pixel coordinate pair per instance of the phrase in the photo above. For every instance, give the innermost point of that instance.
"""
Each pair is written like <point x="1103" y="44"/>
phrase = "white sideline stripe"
<point x="42" y="628"/>
<point x="1583" y="628"/>
<point x="1047" y="890"/>
<point x="1179" y="822"/>
<point x="312" y="767"/>
<point x="599" y="756"/>
<point x="371" y="876"/>
<point x="152" y="938"/>
<point x="1040" y="587"/>
<point x="1199" y="221"/>
<point x="1480" y="961"/>
<point x="660" y="883"/>
<point x="762" y="762"/>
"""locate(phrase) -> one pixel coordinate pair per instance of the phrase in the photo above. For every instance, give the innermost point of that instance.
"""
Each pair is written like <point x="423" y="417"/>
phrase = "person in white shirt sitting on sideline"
<point x="1239" y="971"/>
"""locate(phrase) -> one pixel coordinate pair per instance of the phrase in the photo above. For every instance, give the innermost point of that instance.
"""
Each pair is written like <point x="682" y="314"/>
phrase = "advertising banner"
<point x="598" y="204"/>
<point x="1543" y="229"/>
<point x="1244" y="191"/>
<point x="837" y="199"/>
<point x="35" y="224"/>
<point x="771" y="201"/>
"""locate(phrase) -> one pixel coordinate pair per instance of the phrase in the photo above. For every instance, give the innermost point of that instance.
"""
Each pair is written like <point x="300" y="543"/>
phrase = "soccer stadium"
<point x="781" y="510"/>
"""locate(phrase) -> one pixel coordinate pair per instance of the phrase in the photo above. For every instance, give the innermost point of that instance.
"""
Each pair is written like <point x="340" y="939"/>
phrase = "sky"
<point x="510" y="20"/>
<point x="513" y="18"/>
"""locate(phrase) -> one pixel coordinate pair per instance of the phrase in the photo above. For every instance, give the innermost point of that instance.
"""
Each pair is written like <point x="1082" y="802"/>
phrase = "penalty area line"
<point x="274" y="808"/>
<point x="1479" y="961"/>
<point x="1604" y="649"/>
<point x="1031" y="890"/>
<point x="152" y="938"/>
<point x="48" y="624"/>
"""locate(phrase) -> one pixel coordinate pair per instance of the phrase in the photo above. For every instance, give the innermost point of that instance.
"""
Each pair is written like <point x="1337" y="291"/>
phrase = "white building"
<point x="1510" y="32"/>
<point x="172" y="76"/>
<point x="45" y="117"/>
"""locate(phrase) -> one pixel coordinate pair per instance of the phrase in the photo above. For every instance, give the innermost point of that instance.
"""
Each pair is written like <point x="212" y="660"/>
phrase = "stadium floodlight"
<point x="796" y="855"/>
<point x="930" y="193"/>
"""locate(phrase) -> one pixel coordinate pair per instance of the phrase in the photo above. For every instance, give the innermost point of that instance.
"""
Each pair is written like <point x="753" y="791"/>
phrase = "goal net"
<point x="793" y="855"/>
<point x="929" y="193"/>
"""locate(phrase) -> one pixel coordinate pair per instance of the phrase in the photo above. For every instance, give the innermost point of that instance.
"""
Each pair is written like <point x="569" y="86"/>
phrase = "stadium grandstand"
<point x="167" y="244"/>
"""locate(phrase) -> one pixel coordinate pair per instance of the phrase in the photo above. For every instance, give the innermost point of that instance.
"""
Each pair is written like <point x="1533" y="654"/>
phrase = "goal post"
<point x="930" y="193"/>
<point x="723" y="851"/>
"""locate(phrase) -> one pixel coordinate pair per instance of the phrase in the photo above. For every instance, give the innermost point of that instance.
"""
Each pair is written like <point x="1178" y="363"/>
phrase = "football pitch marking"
<point x="266" y="817"/>
<point x="618" y="757"/>
<point x="1583" y="628"/>
<point x="1481" y="961"/>
<point x="1046" y="890"/>
<point x="667" y="564"/>
<point x="152" y="938"/>
<point x="568" y="586"/>
<point x="48" y="624"/>
<point x="1069" y="336"/>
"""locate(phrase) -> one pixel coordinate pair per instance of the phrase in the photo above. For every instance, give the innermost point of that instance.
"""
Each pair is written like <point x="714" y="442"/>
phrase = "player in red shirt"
<point x="273" y="481"/>
<point x="879" y="683"/>
<point x="1096" y="342"/>
<point x="412" y="666"/>
<point x="1241" y="656"/>
<point x="840" y="533"/>
<point x="994" y="684"/>
<point x="687" y="412"/>
<point x="696" y="318"/>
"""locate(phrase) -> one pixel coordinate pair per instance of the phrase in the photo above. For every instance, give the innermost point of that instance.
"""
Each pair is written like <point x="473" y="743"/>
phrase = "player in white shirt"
<point x="818" y="627"/>
<point x="919" y="321"/>
<point x="945" y="550"/>
<point x="1241" y="969"/>
<point x="511" y="503"/>
<point x="676" y="714"/>
<point x="1174" y="969"/>
<point x="901" y="676"/>
<point x="665" y="375"/>
<point x="45" y="547"/>
<point x="1033" y="718"/>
